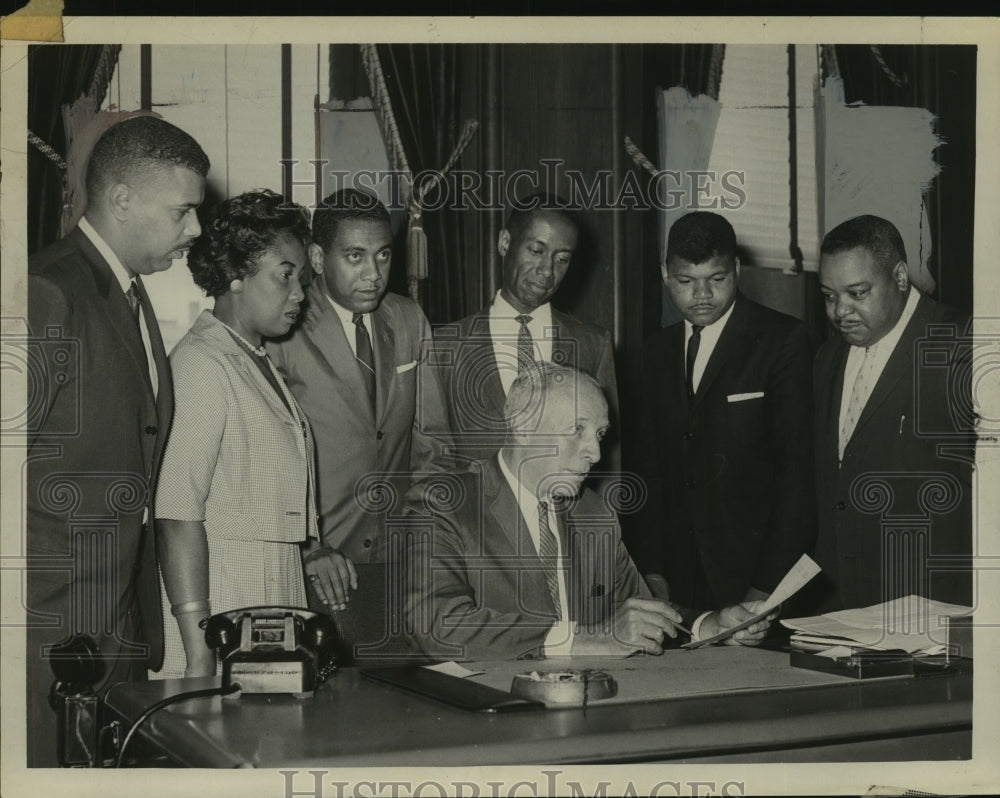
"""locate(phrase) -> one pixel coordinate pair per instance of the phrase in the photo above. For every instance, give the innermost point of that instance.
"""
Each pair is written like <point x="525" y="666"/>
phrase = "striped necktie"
<point x="525" y="344"/>
<point x="548" y="552"/>
<point x="365" y="355"/>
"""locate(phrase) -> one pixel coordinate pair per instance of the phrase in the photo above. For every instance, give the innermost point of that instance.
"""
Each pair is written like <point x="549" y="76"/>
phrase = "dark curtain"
<point x="57" y="75"/>
<point x="941" y="78"/>
<point x="423" y="84"/>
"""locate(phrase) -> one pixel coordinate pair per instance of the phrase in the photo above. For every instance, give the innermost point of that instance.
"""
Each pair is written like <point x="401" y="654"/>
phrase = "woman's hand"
<point x="332" y="576"/>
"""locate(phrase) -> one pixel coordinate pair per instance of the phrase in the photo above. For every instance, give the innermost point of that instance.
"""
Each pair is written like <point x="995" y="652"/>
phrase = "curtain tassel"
<point x="416" y="249"/>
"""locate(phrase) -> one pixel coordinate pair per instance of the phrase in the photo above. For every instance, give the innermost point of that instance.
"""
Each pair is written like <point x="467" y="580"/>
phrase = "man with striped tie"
<point x="357" y="366"/>
<point x="515" y="558"/>
<point x="479" y="356"/>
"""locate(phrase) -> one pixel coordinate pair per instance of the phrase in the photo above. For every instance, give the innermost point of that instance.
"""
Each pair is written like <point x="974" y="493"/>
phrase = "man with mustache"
<point x="480" y="356"/>
<point x="727" y="452"/>
<point x="894" y="429"/>
<point x="104" y="405"/>
<point x="358" y="368"/>
<point x="515" y="558"/>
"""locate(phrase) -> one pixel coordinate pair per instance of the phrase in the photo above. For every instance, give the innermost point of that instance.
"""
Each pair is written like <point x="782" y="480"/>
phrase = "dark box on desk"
<point x="856" y="666"/>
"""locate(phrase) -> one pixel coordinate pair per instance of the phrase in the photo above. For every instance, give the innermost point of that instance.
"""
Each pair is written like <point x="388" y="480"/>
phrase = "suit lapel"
<point x="899" y="364"/>
<point x="328" y="335"/>
<point x="506" y="514"/>
<point x="118" y="311"/>
<point x="563" y="350"/>
<point x="480" y="350"/>
<point x="830" y="403"/>
<point x="731" y="341"/>
<point x="385" y="357"/>
<point x="674" y="397"/>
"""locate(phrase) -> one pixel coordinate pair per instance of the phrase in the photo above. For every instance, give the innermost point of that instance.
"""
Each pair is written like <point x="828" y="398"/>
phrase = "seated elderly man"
<point x="515" y="558"/>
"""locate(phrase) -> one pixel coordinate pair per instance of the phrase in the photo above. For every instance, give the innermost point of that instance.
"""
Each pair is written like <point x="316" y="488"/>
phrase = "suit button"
<point x="841" y="506"/>
<point x="150" y="430"/>
<point x="368" y="543"/>
<point x="691" y="483"/>
<point x="692" y="532"/>
<point x="379" y="435"/>
<point x="689" y="436"/>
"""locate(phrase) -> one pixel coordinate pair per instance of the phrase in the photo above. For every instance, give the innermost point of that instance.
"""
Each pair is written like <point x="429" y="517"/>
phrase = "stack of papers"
<point x="913" y="624"/>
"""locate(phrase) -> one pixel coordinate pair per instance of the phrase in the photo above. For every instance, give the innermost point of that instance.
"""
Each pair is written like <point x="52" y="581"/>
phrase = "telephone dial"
<point x="273" y="649"/>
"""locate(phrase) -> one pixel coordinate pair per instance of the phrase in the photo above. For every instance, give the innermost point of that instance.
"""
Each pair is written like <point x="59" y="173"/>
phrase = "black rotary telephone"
<point x="273" y="649"/>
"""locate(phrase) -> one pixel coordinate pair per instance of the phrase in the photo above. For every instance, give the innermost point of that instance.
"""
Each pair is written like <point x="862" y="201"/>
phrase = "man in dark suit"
<point x="358" y="368"/>
<point x="104" y="408"/>
<point x="727" y="451"/>
<point x="481" y="355"/>
<point x="894" y="429"/>
<point x="513" y="559"/>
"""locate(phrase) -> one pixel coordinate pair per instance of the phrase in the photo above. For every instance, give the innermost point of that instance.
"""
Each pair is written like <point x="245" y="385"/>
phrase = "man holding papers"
<point x="726" y="452"/>
<point x="893" y="429"/>
<point x="513" y="559"/>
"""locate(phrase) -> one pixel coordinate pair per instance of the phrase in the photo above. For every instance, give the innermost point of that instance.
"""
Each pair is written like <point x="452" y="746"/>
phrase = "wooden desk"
<point x="785" y="716"/>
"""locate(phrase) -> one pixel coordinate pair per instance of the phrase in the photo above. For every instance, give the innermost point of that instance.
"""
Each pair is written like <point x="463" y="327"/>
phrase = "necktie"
<point x="365" y="355"/>
<point x="525" y="346"/>
<point x="692" y="354"/>
<point x="548" y="551"/>
<point x="859" y="396"/>
<point x="134" y="301"/>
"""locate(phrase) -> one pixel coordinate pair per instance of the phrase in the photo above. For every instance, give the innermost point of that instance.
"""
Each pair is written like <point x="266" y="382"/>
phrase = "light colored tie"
<point x="548" y="553"/>
<point x="859" y="397"/>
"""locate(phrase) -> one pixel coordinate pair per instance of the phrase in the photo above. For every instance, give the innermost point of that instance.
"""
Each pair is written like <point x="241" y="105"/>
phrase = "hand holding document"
<point x="796" y="578"/>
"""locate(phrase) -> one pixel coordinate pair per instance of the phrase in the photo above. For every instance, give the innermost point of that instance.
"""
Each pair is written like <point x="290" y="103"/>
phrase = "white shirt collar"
<point x="346" y="316"/>
<point x="502" y="309"/>
<point x="120" y="272"/>
<point x="711" y="330"/>
<point x="887" y="343"/>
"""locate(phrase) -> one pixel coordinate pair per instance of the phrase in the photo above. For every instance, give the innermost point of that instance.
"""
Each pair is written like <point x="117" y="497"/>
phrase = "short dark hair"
<point x="700" y="236"/>
<point x="141" y="144"/>
<point x="241" y="230"/>
<point x="533" y="204"/>
<point x="879" y="236"/>
<point x="349" y="203"/>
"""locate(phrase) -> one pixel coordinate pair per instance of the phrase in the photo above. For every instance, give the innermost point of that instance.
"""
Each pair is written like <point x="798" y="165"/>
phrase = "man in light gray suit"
<point x="357" y="367"/>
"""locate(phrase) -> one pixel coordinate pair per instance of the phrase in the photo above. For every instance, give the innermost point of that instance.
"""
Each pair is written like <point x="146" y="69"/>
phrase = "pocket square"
<point x="406" y="367"/>
<point x="742" y="397"/>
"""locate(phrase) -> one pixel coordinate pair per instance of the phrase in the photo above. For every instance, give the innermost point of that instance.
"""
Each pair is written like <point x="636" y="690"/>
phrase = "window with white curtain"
<point x="753" y="137"/>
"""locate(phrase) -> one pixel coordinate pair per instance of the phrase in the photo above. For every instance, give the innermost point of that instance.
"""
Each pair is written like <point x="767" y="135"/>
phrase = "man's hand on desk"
<point x="331" y="575"/>
<point x="640" y="624"/>
<point x="720" y="620"/>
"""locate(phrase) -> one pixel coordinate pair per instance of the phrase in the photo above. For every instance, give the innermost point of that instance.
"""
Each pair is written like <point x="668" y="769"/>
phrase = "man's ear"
<point x="316" y="258"/>
<point x="119" y="196"/>
<point x="503" y="242"/>
<point x="901" y="276"/>
<point x="736" y="260"/>
<point x="664" y="273"/>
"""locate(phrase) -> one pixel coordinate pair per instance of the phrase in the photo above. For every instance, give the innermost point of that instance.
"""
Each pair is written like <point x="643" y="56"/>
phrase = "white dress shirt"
<point x="559" y="640"/>
<point x="350" y="330"/>
<point x="880" y="351"/>
<point x="709" y="338"/>
<point x="504" y="330"/>
<point x="125" y="281"/>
